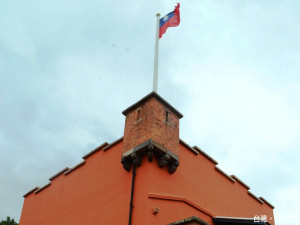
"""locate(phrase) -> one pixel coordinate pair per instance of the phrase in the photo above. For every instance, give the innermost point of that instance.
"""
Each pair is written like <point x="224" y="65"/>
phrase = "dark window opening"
<point x="167" y="116"/>
<point x="138" y="114"/>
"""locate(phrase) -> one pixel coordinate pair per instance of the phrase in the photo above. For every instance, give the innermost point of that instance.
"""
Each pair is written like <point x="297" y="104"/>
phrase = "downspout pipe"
<point x="131" y="196"/>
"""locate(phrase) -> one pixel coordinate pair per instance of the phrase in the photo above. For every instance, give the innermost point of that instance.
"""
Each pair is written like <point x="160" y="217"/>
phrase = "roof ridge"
<point x="42" y="188"/>
<point x="74" y="168"/>
<point x="239" y="181"/>
<point x="59" y="173"/>
<point x="31" y="191"/>
<point x="100" y="147"/>
<point x="255" y="197"/>
<point x="205" y="155"/>
<point x="224" y="174"/>
<point x="188" y="146"/>
<point x="159" y="98"/>
<point x="112" y="144"/>
<point x="268" y="203"/>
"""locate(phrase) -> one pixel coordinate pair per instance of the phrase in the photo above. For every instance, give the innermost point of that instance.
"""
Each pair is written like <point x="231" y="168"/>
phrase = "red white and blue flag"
<point x="170" y="20"/>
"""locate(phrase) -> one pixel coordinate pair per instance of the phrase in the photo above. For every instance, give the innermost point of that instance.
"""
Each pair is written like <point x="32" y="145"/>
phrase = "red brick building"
<point x="149" y="176"/>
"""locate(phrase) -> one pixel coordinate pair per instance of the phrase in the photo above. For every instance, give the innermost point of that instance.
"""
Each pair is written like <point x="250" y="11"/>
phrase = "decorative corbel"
<point x="137" y="160"/>
<point x="150" y="152"/>
<point x="126" y="163"/>
<point x="163" y="160"/>
<point x="173" y="166"/>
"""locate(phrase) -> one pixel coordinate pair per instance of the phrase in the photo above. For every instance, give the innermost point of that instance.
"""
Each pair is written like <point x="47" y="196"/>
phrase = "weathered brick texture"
<point x="149" y="121"/>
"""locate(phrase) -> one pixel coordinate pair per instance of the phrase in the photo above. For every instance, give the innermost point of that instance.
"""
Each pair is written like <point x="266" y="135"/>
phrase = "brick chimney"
<point x="152" y="129"/>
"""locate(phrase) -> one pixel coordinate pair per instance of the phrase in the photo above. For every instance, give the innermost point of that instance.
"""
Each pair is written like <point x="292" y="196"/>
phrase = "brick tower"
<point x="152" y="129"/>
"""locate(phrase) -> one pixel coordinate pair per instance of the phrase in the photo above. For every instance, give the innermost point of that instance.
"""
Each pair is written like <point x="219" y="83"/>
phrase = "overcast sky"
<point x="69" y="68"/>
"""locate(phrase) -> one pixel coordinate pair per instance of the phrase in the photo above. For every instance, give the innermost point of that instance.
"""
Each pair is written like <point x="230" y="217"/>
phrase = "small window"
<point x="167" y="116"/>
<point x="138" y="114"/>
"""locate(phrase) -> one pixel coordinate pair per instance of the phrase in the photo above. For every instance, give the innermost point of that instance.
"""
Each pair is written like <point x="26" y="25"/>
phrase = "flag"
<point x="170" y="20"/>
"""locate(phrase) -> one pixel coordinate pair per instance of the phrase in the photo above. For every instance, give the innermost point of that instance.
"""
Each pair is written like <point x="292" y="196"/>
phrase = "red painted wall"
<point x="98" y="192"/>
